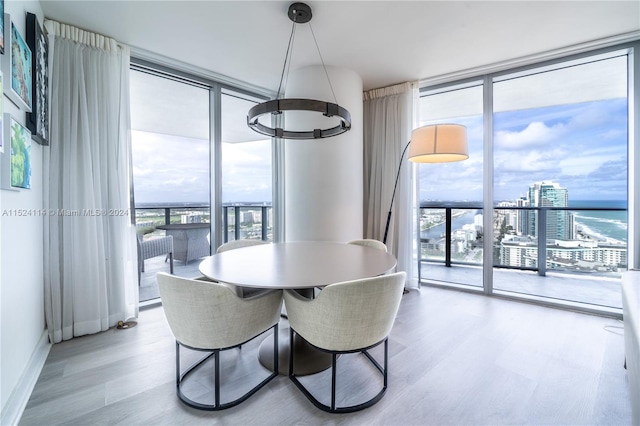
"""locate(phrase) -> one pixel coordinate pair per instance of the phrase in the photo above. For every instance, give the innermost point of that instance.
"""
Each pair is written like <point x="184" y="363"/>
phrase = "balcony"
<point x="584" y="268"/>
<point x="240" y="221"/>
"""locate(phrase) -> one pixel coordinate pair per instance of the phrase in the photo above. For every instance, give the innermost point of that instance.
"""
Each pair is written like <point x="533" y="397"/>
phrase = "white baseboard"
<point x="13" y="409"/>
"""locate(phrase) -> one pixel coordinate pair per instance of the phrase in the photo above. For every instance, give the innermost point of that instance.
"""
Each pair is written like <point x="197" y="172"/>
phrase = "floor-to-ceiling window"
<point x="170" y="157"/>
<point x="451" y="194"/>
<point x="195" y="166"/>
<point x="560" y="178"/>
<point x="246" y="173"/>
<point x="558" y="173"/>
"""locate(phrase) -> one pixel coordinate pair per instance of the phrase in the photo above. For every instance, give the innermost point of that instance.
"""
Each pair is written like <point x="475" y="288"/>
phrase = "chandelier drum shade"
<point x="299" y="13"/>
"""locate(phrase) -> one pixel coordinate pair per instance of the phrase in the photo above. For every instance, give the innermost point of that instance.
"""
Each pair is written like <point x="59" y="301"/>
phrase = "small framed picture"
<point x="16" y="159"/>
<point x="16" y="64"/>
<point x="2" y="26"/>
<point x="38" y="118"/>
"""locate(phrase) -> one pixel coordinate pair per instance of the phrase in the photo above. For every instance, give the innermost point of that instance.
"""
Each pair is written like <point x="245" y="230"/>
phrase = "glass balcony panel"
<point x="465" y="242"/>
<point x="585" y="269"/>
<point x="432" y="234"/>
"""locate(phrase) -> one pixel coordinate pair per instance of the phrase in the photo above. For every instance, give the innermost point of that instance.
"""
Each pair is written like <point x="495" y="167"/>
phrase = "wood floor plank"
<point x="454" y="358"/>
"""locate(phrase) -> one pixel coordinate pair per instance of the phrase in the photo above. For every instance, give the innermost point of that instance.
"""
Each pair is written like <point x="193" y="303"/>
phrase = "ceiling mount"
<point x="300" y="13"/>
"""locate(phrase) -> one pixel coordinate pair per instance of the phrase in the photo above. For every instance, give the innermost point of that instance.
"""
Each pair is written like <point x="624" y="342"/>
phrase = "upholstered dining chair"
<point x="208" y="316"/>
<point x="147" y="249"/>
<point x="379" y="245"/>
<point x="343" y="319"/>
<point x="236" y="244"/>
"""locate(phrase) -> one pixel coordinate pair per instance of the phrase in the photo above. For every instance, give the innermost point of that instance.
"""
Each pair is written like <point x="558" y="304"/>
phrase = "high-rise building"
<point x="478" y="222"/>
<point x="550" y="194"/>
<point x="522" y="220"/>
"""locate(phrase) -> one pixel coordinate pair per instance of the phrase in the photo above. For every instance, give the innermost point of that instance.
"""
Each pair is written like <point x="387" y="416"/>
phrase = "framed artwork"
<point x="16" y="159"/>
<point x="16" y="64"/>
<point x="38" y="118"/>
<point x="2" y="26"/>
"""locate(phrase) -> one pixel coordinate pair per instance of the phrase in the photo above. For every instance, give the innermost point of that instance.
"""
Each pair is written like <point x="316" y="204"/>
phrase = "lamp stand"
<point x="386" y="228"/>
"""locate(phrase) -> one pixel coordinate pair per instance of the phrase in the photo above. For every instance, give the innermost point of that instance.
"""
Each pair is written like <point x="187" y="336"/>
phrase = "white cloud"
<point x="536" y="134"/>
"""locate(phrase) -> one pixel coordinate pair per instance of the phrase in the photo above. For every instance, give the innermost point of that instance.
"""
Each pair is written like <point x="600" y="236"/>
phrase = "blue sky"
<point x="581" y="146"/>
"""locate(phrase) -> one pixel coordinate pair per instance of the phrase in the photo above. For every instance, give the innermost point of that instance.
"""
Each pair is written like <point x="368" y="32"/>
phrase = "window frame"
<point x="500" y="72"/>
<point x="216" y="86"/>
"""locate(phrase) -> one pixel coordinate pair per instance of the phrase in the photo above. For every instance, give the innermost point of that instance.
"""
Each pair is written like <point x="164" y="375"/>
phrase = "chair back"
<point x="349" y="315"/>
<point x="209" y="315"/>
<point x="379" y="245"/>
<point x="155" y="246"/>
<point x="231" y="245"/>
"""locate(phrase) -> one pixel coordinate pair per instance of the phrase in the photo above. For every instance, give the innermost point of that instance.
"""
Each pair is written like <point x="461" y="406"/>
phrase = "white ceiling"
<point x="385" y="42"/>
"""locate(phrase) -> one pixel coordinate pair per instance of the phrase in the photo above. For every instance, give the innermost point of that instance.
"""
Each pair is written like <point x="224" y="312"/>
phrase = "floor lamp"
<point x="436" y="143"/>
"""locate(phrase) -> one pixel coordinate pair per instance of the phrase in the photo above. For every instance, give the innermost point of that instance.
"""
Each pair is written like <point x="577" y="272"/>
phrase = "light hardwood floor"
<point x="455" y="358"/>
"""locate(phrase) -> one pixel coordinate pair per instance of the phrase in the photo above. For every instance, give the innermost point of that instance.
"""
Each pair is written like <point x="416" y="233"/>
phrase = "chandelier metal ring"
<point x="276" y="106"/>
<point x="299" y="13"/>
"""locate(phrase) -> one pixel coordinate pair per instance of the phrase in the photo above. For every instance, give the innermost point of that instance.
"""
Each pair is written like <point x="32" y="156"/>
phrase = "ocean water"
<point x="601" y="224"/>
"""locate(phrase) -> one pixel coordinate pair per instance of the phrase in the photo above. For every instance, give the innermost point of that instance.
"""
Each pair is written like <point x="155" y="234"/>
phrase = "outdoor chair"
<point x="147" y="249"/>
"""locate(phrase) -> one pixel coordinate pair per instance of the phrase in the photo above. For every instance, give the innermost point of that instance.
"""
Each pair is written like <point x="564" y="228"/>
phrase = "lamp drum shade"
<point x="439" y="143"/>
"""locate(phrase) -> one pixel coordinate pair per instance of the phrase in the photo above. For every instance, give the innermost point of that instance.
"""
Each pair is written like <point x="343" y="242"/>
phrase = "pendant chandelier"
<point x="299" y="13"/>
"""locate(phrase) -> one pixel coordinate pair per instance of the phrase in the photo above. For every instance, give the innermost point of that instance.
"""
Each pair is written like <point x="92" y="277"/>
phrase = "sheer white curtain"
<point x="89" y="242"/>
<point x="389" y="116"/>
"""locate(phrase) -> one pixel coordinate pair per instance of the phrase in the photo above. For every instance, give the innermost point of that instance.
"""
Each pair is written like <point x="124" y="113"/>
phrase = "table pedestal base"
<point x="307" y="359"/>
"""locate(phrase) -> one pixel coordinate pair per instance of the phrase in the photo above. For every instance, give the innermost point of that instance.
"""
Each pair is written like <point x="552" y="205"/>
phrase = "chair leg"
<point x="333" y="381"/>
<point x="276" y="368"/>
<point x="217" y="404"/>
<point x="291" y="352"/>
<point x="216" y="355"/>
<point x="332" y="408"/>
<point x="386" y="358"/>
<point x="171" y="262"/>
<point x="178" y="365"/>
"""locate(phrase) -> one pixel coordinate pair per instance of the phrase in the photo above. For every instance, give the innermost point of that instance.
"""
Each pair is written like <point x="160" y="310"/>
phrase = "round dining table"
<point x="301" y="266"/>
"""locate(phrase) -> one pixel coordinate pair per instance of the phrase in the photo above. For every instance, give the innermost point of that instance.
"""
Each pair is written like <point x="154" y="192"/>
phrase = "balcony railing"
<point x="527" y="247"/>
<point x="239" y="220"/>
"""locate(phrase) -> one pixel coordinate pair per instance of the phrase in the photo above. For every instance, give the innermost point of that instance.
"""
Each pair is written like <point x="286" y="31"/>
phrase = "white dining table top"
<point x="296" y="265"/>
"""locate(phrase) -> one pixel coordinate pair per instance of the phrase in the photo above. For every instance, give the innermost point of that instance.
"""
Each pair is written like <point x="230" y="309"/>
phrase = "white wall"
<point x="323" y="177"/>
<point x="21" y="252"/>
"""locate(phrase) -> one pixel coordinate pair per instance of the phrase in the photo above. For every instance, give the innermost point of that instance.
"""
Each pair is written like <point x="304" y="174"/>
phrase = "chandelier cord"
<point x="286" y="58"/>
<point x="322" y="60"/>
